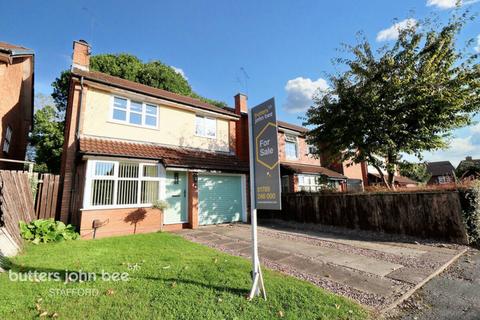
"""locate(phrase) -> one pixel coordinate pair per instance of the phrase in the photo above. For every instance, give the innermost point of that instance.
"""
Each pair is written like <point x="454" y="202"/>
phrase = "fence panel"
<point x="47" y="196"/>
<point x="16" y="202"/>
<point x="423" y="214"/>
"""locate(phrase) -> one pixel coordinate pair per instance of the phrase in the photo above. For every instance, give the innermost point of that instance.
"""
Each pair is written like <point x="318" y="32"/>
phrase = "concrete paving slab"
<point x="272" y="254"/>
<point x="410" y="275"/>
<point x="377" y="246"/>
<point x="375" y="285"/>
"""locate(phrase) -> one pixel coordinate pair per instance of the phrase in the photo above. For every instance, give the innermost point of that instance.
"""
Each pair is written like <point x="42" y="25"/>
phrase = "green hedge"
<point x="470" y="201"/>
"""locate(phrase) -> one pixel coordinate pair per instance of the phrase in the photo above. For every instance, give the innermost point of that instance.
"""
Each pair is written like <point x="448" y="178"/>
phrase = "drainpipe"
<point x="80" y="102"/>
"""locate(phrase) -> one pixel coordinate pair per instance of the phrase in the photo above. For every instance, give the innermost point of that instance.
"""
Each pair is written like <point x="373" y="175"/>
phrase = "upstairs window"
<point x="135" y="112"/>
<point x="311" y="149"/>
<point x="291" y="147"/>
<point x="8" y="139"/>
<point x="205" y="127"/>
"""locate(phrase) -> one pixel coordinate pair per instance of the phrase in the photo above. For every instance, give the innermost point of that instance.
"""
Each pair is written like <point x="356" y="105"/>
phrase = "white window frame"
<point x="8" y="139"/>
<point x="302" y="186"/>
<point x="311" y="149"/>
<point x="204" y="123"/>
<point x="287" y="136"/>
<point x="128" y="111"/>
<point x="90" y="176"/>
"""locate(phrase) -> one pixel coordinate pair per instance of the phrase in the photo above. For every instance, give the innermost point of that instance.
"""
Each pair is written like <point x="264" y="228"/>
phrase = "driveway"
<point x="373" y="269"/>
<point x="454" y="294"/>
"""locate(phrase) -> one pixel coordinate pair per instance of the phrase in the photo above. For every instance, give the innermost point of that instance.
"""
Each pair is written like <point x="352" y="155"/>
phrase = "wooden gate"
<point x="47" y="196"/>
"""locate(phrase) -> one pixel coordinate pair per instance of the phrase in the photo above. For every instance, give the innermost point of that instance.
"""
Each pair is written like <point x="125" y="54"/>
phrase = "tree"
<point x="405" y="98"/>
<point x="468" y="168"/>
<point x="50" y="122"/>
<point x="47" y="137"/>
<point x="414" y="171"/>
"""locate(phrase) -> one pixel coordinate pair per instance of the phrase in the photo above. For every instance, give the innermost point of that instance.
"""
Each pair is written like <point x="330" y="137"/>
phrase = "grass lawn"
<point x="169" y="278"/>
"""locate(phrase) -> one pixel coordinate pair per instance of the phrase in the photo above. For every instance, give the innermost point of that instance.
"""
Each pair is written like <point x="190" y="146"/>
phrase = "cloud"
<point x="477" y="48"/>
<point x="459" y="148"/>
<point x="449" y="4"/>
<point x="180" y="72"/>
<point x="300" y="92"/>
<point x="393" y="32"/>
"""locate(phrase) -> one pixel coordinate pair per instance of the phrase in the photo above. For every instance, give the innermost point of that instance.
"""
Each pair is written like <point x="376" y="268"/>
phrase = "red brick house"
<point x="16" y="102"/>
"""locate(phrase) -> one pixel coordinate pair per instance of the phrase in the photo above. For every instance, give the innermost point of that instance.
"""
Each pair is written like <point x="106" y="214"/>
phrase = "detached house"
<point x="16" y="102"/>
<point x="127" y="145"/>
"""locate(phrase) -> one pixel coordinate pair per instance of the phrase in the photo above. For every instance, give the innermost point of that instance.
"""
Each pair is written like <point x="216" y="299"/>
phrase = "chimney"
<point x="469" y="158"/>
<point x="81" y="55"/>
<point x="241" y="104"/>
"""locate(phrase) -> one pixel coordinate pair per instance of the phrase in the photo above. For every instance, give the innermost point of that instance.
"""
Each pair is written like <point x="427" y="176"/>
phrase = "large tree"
<point x="50" y="122"/>
<point x="403" y="98"/>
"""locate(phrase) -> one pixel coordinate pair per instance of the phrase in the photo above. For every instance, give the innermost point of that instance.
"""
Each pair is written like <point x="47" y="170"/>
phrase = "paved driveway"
<point x="377" y="273"/>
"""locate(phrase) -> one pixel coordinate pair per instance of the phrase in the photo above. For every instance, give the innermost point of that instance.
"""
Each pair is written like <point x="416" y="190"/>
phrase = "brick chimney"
<point x="241" y="103"/>
<point x="81" y="55"/>
<point x="241" y="128"/>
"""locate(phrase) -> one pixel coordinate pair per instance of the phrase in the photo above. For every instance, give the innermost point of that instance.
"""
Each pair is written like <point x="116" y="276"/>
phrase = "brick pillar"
<point x="241" y="127"/>
<point x="67" y="170"/>
<point x="192" y="201"/>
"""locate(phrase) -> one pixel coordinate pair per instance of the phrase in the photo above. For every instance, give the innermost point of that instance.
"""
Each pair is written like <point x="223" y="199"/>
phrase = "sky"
<point x="265" y="49"/>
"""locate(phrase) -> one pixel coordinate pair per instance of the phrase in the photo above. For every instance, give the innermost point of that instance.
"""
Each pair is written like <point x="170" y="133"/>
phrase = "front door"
<point x="176" y="195"/>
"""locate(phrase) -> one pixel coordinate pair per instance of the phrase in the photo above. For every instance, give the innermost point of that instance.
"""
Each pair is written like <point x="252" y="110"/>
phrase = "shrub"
<point x="47" y="230"/>
<point x="160" y="205"/>
<point x="470" y="200"/>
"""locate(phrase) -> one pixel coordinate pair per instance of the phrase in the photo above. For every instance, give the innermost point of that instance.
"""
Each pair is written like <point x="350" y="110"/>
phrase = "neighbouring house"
<point x="300" y="169"/>
<point x="127" y="145"/>
<point x="16" y="103"/>
<point x="441" y="172"/>
<point x="469" y="169"/>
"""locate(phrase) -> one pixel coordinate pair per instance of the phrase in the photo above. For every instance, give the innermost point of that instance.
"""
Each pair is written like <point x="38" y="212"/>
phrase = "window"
<point x="311" y="149"/>
<point x="205" y="127"/>
<point x="135" y="112"/>
<point x="444" y="179"/>
<point x="312" y="183"/>
<point x="291" y="147"/>
<point x="8" y="139"/>
<point x="122" y="183"/>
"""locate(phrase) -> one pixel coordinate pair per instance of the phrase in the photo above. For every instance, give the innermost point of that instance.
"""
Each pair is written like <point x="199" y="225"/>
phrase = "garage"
<point x="220" y="199"/>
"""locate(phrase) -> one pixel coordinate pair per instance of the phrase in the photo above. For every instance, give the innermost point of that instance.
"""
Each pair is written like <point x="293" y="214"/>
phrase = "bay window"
<point x="121" y="184"/>
<point x="134" y="112"/>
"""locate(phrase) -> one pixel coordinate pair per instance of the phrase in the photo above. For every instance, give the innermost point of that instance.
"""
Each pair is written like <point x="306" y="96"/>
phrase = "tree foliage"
<point x="49" y="122"/>
<point x="414" y="171"/>
<point x="405" y="98"/>
<point x="468" y="168"/>
<point x="47" y="137"/>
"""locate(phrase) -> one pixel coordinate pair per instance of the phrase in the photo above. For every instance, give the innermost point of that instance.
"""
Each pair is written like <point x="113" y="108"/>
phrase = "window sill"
<point x="206" y="137"/>
<point x="133" y="125"/>
<point x="131" y="206"/>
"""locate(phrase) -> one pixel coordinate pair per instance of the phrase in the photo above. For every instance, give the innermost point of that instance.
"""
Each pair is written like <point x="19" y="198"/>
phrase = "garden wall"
<point x="436" y="215"/>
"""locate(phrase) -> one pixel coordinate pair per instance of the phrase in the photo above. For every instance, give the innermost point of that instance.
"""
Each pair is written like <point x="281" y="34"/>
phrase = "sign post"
<point x="265" y="191"/>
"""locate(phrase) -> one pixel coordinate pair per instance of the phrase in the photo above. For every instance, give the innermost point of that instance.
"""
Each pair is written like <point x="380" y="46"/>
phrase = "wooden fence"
<point x="46" y="202"/>
<point x="16" y="202"/>
<point x="422" y="214"/>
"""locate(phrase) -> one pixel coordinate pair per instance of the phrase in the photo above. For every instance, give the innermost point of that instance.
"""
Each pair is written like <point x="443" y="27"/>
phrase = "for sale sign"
<point x="266" y="165"/>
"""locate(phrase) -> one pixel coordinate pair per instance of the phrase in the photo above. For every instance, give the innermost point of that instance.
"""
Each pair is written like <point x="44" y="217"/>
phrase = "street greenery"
<point x="169" y="278"/>
<point x="404" y="98"/>
<point x="47" y="230"/>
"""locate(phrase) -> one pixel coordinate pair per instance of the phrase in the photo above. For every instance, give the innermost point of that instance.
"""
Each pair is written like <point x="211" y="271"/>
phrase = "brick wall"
<point x="16" y="81"/>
